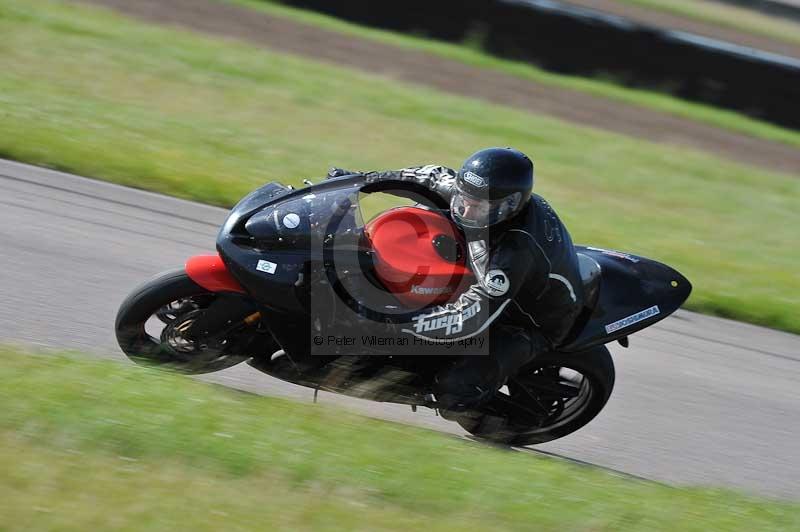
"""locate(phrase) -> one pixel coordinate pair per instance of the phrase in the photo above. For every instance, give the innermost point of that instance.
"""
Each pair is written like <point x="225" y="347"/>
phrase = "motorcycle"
<point x="298" y="274"/>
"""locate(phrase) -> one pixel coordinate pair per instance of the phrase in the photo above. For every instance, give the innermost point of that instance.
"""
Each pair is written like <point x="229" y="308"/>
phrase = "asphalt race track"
<point x="698" y="400"/>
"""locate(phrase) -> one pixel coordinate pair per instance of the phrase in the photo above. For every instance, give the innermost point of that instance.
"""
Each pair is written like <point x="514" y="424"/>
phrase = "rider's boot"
<point x="471" y="381"/>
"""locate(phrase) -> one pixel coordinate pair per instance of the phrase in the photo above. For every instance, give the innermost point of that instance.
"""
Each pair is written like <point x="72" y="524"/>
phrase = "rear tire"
<point x="147" y="301"/>
<point x="499" y="423"/>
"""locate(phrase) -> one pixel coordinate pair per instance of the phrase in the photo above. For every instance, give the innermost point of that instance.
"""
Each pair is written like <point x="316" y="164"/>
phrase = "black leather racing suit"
<point x="526" y="298"/>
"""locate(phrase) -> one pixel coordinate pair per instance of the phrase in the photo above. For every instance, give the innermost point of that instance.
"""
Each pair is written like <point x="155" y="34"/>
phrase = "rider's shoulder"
<point x="539" y="200"/>
<point x="542" y="206"/>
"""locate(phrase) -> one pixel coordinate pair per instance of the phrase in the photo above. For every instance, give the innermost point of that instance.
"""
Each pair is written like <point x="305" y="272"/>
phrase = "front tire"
<point x="176" y="300"/>
<point x="542" y="404"/>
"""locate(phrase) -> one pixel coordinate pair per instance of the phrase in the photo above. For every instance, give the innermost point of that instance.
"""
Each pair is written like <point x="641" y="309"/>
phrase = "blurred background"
<point x="669" y="129"/>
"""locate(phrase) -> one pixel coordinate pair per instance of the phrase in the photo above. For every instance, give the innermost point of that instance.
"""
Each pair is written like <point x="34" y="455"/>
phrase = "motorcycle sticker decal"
<point x="496" y="282"/>
<point x="266" y="266"/>
<point x="474" y="179"/>
<point x="450" y="323"/>
<point x="291" y="220"/>
<point x="633" y="318"/>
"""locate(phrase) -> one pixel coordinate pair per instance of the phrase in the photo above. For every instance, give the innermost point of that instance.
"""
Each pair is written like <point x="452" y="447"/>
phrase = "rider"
<point x="528" y="290"/>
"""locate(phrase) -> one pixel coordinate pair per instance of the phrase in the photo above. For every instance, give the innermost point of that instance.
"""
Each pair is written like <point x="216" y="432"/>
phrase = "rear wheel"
<point x="172" y="321"/>
<point x="555" y="395"/>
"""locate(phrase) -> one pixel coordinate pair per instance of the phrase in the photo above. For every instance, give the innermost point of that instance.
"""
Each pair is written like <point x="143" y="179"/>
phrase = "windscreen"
<point x="305" y="222"/>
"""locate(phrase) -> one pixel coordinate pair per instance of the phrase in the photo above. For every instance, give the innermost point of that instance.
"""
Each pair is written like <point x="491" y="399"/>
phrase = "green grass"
<point x="729" y="16"/>
<point x="94" y="93"/>
<point x="471" y="54"/>
<point x="98" y="445"/>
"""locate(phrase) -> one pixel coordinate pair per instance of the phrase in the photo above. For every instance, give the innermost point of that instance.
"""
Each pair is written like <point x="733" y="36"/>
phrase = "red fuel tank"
<point x="420" y="255"/>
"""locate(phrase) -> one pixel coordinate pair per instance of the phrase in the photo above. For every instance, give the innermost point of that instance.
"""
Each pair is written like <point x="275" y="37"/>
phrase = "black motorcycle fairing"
<point x="635" y="292"/>
<point x="272" y="235"/>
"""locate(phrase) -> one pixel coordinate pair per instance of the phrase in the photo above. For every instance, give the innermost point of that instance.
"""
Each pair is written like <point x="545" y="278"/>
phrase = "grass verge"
<point x="91" y="92"/>
<point x="472" y="55"/>
<point x="88" y="444"/>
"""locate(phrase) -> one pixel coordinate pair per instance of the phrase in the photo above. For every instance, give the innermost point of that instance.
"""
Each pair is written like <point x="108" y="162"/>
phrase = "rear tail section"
<point x="635" y="292"/>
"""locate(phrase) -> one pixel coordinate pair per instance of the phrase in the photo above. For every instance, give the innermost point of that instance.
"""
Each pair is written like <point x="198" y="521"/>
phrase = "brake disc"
<point x="177" y="333"/>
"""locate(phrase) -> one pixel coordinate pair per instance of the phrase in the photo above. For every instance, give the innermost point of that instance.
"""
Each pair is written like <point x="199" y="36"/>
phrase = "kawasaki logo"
<point x="450" y="323"/>
<point x="429" y="291"/>
<point x="474" y="179"/>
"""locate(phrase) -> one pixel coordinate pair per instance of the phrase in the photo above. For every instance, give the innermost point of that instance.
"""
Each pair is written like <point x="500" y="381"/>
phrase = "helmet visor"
<point x="470" y="211"/>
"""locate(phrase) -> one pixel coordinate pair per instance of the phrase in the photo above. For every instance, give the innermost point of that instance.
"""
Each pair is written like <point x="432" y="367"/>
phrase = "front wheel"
<point x="172" y="321"/>
<point x="553" y="396"/>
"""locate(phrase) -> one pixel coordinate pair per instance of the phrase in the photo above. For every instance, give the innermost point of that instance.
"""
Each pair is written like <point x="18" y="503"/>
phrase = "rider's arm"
<point x="438" y="179"/>
<point x="484" y="302"/>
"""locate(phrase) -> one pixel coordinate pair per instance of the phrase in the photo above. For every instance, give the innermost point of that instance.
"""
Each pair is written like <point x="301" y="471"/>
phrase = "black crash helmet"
<point x="493" y="185"/>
